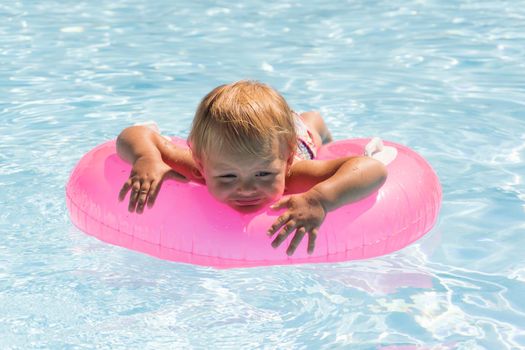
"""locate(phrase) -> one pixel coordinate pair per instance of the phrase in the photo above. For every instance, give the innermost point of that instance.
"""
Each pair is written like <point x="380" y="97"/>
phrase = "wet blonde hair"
<point x="245" y="117"/>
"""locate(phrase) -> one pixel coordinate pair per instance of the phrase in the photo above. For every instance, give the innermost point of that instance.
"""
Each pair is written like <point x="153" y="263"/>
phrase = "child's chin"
<point x="248" y="208"/>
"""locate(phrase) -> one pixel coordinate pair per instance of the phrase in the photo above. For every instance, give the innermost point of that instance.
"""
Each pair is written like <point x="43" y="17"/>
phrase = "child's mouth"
<point x="244" y="202"/>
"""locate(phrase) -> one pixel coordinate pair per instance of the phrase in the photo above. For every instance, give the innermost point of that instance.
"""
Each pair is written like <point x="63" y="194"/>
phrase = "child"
<point x="249" y="148"/>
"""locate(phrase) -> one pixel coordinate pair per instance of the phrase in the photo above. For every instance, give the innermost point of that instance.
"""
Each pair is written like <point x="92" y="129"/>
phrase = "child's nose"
<point x="246" y="187"/>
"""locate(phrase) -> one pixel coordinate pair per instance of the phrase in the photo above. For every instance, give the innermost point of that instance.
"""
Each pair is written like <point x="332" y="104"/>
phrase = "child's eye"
<point x="263" y="174"/>
<point x="227" y="177"/>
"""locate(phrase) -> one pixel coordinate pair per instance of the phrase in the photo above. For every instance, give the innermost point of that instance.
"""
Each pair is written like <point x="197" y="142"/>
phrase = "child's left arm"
<point x="322" y="186"/>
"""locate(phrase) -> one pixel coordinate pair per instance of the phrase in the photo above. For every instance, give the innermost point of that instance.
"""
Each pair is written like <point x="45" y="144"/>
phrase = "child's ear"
<point x="289" y="163"/>
<point x="197" y="171"/>
<point x="198" y="162"/>
<point x="200" y="170"/>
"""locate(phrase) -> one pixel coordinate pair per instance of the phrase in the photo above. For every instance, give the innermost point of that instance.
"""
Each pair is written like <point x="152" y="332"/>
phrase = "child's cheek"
<point x="219" y="191"/>
<point x="278" y="187"/>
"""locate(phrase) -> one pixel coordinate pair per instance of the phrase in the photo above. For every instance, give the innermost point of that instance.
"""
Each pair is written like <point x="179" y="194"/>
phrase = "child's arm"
<point x="153" y="159"/>
<point x="325" y="186"/>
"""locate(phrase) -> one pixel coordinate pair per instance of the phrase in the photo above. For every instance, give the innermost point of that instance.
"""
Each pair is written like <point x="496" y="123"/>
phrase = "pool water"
<point x="446" y="78"/>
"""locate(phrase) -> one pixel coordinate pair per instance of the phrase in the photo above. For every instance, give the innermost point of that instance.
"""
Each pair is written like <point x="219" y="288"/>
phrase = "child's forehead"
<point x="262" y="155"/>
<point x="262" y="158"/>
<point x="242" y="150"/>
<point x="234" y="161"/>
<point x="265" y="147"/>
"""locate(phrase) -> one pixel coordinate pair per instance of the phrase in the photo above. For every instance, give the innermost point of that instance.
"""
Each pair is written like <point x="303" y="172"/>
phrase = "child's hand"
<point x="145" y="181"/>
<point x="304" y="215"/>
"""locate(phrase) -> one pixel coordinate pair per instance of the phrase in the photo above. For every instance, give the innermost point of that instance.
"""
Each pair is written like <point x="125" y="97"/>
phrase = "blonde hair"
<point x="243" y="117"/>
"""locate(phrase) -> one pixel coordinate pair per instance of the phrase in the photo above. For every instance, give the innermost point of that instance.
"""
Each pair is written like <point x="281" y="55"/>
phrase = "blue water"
<point x="446" y="78"/>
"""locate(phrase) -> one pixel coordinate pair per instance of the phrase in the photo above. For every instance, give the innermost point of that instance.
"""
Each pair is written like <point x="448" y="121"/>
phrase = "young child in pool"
<point x="250" y="148"/>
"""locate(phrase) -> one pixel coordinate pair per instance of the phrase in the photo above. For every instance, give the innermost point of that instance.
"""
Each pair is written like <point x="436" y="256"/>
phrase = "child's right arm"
<point x="153" y="158"/>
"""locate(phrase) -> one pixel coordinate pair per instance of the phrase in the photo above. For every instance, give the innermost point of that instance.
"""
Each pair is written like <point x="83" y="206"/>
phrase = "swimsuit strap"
<point x="306" y="148"/>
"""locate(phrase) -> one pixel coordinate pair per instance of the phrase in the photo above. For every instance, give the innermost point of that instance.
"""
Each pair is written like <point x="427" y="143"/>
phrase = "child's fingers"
<point x="312" y="236"/>
<point x="296" y="240"/>
<point x="135" y="189"/>
<point x="143" y="195"/>
<point x="124" y="190"/>
<point x="153" y="192"/>
<point x="281" y="220"/>
<point x="285" y="232"/>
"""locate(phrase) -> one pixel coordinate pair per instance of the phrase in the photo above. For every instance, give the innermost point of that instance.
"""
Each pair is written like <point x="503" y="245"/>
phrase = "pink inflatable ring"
<point x="187" y="225"/>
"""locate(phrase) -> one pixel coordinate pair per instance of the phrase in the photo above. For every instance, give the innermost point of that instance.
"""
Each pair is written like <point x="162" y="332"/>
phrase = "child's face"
<point x="244" y="182"/>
